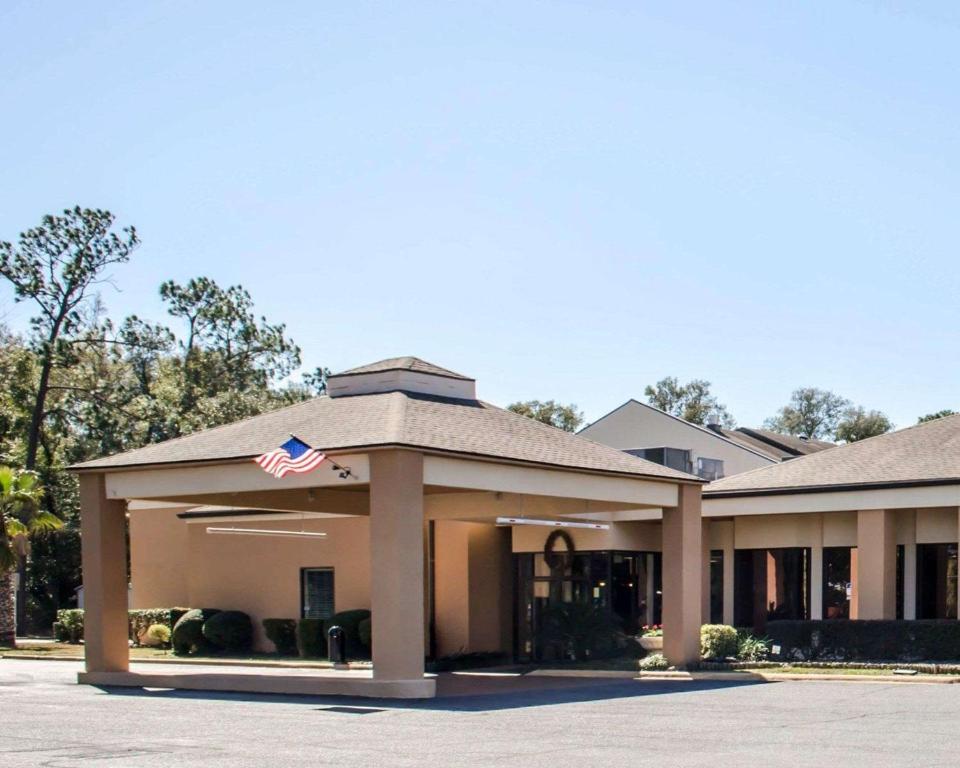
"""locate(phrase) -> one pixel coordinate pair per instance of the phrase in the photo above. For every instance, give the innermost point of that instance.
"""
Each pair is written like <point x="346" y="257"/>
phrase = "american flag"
<point x="293" y="456"/>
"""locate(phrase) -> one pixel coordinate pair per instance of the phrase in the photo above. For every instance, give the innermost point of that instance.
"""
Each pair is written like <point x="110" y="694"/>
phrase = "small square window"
<point x="710" y="469"/>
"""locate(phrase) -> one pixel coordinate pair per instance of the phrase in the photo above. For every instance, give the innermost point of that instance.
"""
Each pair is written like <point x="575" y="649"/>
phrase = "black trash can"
<point x="337" y="645"/>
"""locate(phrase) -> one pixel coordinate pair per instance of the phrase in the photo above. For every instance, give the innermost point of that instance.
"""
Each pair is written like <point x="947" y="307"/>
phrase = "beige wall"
<point x="633" y="536"/>
<point x="473" y="587"/>
<point x="635" y="425"/>
<point x="179" y="564"/>
<point x="159" y="555"/>
<point x="261" y="575"/>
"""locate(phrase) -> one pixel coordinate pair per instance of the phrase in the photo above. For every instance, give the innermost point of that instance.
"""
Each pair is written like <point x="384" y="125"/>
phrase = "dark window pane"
<point x="709" y="469"/>
<point x="771" y="584"/>
<point x="837" y="587"/>
<point x="936" y="581"/>
<point x="317" y="591"/>
<point x="716" y="586"/>
<point x="900" y="592"/>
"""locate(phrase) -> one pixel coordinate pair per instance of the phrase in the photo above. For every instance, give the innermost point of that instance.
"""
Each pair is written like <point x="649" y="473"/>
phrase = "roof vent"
<point x="402" y="374"/>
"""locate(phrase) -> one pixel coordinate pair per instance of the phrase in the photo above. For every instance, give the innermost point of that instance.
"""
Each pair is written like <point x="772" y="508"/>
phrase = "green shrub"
<point x="349" y="621"/>
<point x="157" y="635"/>
<point x="365" y="631"/>
<point x="142" y="619"/>
<point x="750" y="648"/>
<point x="283" y="634"/>
<point x="312" y="638"/>
<point x="59" y="632"/>
<point x="71" y="624"/>
<point x="230" y="631"/>
<point x="717" y="641"/>
<point x="580" y="631"/>
<point x="187" y="634"/>
<point x="867" y="640"/>
<point x="176" y="614"/>
<point x="654" y="661"/>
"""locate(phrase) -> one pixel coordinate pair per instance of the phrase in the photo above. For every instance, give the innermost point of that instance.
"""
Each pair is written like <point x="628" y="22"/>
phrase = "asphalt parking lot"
<point x="48" y="720"/>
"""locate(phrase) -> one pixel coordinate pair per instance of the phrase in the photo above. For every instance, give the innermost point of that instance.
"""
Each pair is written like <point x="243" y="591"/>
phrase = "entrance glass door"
<point x="622" y="585"/>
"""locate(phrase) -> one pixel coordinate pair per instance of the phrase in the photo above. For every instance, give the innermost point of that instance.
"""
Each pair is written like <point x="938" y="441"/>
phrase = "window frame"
<point x="303" y="589"/>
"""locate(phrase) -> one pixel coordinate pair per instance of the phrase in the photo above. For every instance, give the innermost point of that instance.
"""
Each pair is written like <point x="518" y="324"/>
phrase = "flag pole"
<point x="345" y="472"/>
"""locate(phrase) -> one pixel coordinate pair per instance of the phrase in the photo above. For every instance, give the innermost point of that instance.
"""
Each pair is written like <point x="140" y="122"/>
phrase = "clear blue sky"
<point x="563" y="199"/>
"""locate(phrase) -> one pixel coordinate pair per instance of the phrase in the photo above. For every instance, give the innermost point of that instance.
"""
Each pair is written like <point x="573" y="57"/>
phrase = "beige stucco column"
<point x="908" y="535"/>
<point x="876" y="564"/>
<point x="682" y="559"/>
<point x="816" y="572"/>
<point x="104" y="551"/>
<point x="396" y="565"/>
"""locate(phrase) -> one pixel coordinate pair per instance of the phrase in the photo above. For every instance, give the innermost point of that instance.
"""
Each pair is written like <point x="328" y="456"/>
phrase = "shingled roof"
<point x="925" y="454"/>
<point x="401" y="419"/>
<point x="403" y="364"/>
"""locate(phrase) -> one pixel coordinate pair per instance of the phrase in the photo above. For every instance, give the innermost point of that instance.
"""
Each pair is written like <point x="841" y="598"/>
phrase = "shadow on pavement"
<point x="466" y="693"/>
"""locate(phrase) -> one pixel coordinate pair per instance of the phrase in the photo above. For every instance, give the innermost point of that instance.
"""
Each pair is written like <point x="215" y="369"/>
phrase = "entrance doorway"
<point x="624" y="587"/>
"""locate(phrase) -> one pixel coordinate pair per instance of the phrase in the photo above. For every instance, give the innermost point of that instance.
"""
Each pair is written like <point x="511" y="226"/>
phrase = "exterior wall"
<point x="936" y="526"/>
<point x="635" y="425"/>
<point x="631" y="537"/>
<point x="261" y="576"/>
<point x="174" y="563"/>
<point x="159" y="559"/>
<point x="473" y="596"/>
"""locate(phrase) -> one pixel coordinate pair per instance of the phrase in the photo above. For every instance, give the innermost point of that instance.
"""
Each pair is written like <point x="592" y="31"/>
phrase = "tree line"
<point x="81" y="383"/>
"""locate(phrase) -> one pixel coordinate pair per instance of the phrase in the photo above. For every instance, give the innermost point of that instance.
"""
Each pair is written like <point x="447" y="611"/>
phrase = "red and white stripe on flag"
<point x="280" y="463"/>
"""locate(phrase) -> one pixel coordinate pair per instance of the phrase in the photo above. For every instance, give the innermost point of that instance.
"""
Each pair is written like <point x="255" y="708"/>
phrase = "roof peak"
<point x="408" y="374"/>
<point x="405" y="363"/>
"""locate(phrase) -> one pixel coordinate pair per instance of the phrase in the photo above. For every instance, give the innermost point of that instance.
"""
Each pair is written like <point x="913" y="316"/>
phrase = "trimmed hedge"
<point x="855" y="640"/>
<point x="718" y="641"/>
<point x="283" y="634"/>
<point x="187" y="635"/>
<point x="365" y="632"/>
<point x="68" y="628"/>
<point x="229" y="630"/>
<point x="312" y="638"/>
<point x="350" y="622"/>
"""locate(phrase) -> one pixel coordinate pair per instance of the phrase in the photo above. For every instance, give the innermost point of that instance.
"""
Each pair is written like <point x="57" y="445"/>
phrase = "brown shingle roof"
<point x="396" y="419"/>
<point x="404" y="364"/>
<point x="773" y="444"/>
<point x="738" y="437"/>
<point x="928" y="453"/>
<point x="796" y="446"/>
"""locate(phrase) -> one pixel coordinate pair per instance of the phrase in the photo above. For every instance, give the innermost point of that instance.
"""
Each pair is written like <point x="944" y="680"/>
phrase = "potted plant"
<point x="651" y="637"/>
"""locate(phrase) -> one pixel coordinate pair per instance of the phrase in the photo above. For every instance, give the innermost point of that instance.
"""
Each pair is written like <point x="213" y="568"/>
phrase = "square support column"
<point x="816" y="573"/>
<point x="876" y="564"/>
<point x="104" y="551"/>
<point x="397" y="570"/>
<point x="682" y="572"/>
<point x="908" y="527"/>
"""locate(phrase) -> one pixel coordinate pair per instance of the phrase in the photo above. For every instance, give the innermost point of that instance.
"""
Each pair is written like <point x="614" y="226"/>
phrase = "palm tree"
<point x="20" y="515"/>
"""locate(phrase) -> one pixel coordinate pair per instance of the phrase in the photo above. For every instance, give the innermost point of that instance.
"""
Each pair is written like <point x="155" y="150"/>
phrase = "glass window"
<point x="900" y="591"/>
<point x="771" y="584"/>
<point x="675" y="458"/>
<point x="838" y="587"/>
<point x="716" y="586"/>
<point x="936" y="581"/>
<point x="316" y="589"/>
<point x="709" y="469"/>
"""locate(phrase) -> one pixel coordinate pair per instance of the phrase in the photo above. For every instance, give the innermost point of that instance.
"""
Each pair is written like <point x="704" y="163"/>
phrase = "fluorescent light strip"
<point x="552" y="523"/>
<point x="265" y="532"/>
